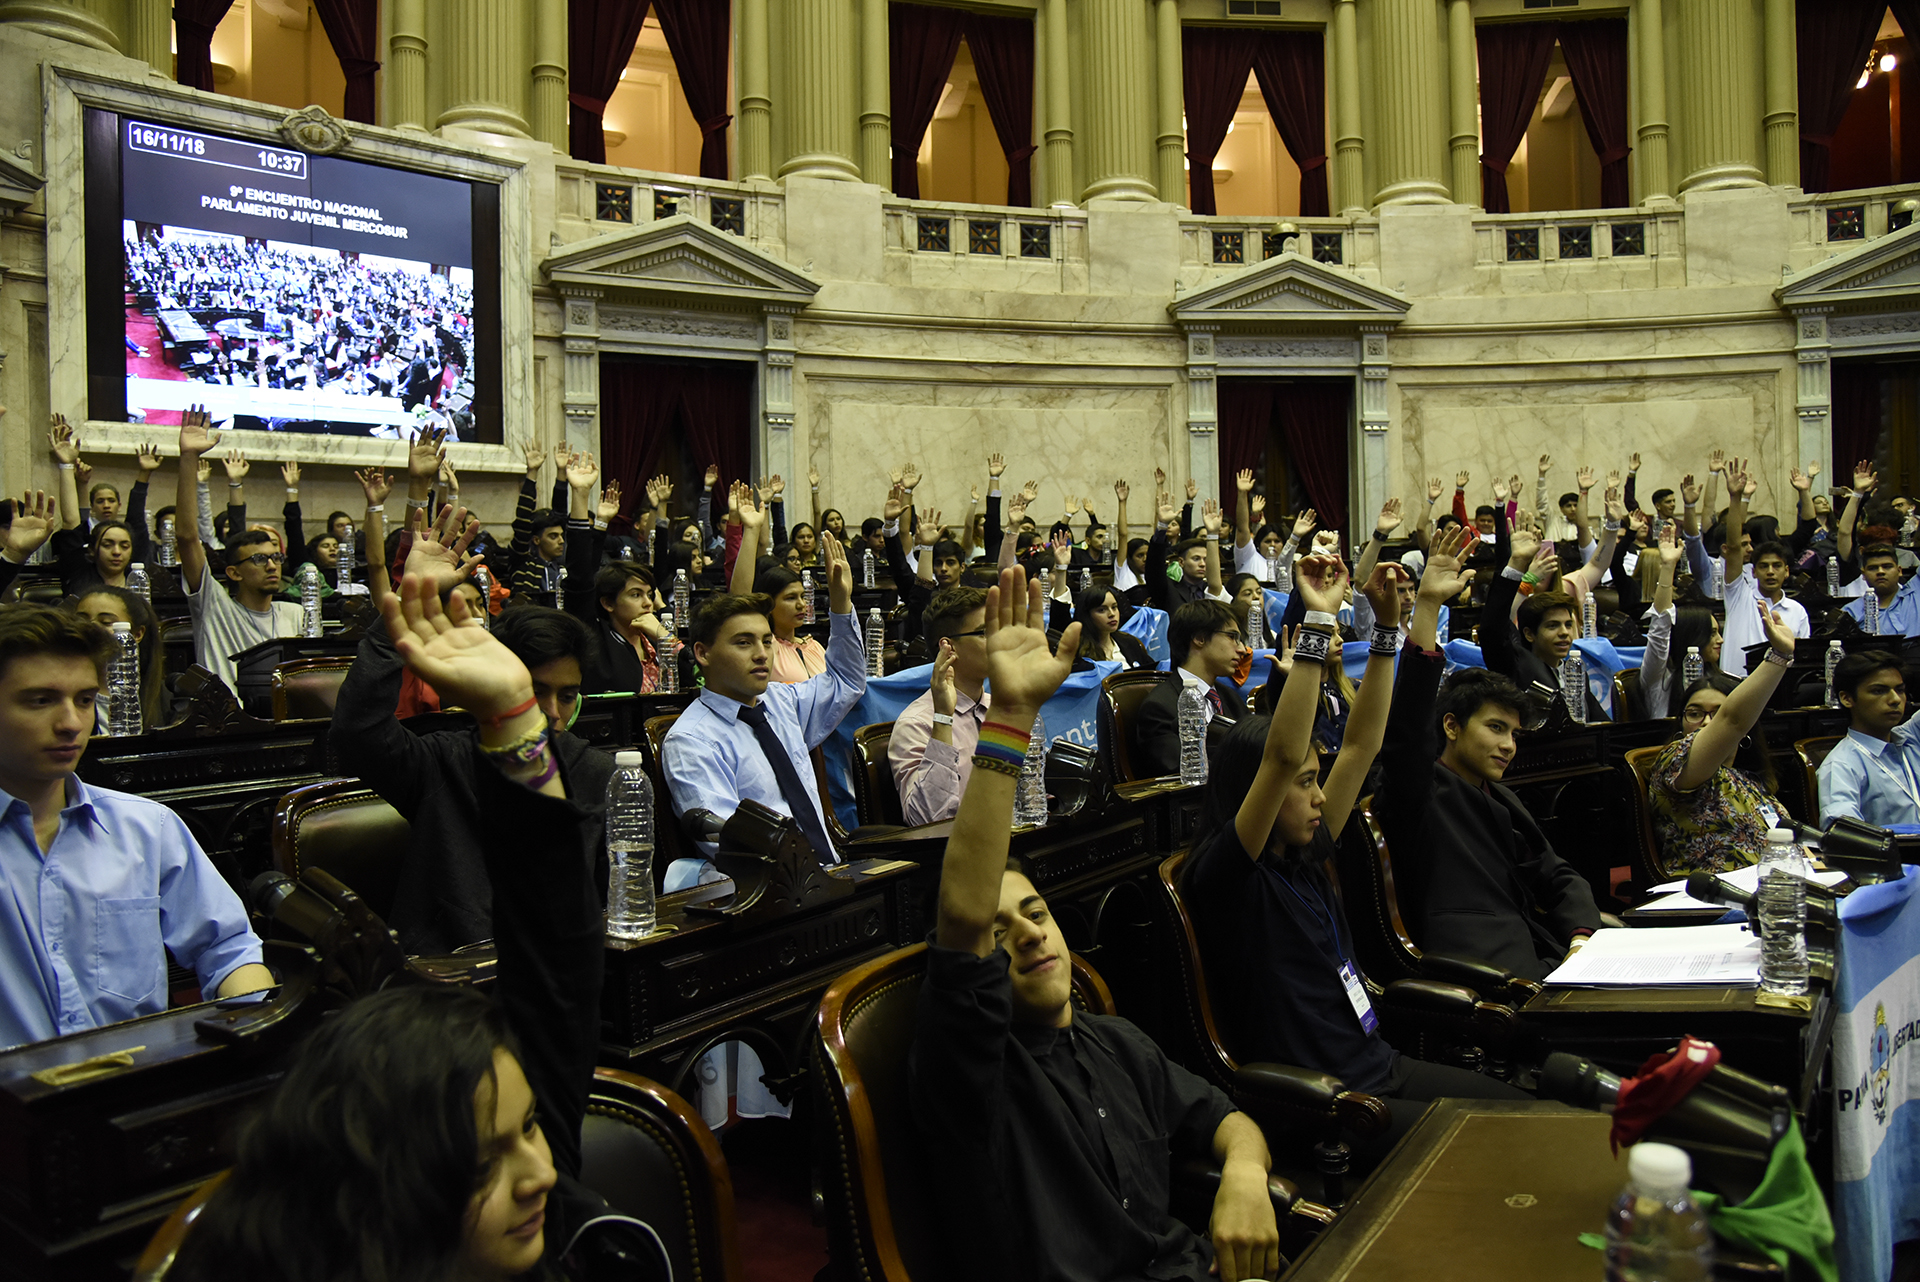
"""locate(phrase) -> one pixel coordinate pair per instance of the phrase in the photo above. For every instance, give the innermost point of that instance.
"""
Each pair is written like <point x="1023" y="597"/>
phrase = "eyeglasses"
<point x="1698" y="716"/>
<point x="264" y="559"/>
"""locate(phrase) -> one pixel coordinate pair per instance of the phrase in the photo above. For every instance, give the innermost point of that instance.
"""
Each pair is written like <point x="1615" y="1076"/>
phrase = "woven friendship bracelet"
<point x="1385" y="641"/>
<point x="1313" y="646"/>
<point x="1003" y="744"/>
<point x="981" y="761"/>
<point x="522" y="750"/>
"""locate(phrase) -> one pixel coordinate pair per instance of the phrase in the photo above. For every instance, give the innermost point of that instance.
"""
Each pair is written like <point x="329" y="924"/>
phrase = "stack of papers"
<point x="1683" y="956"/>
<point x="1748" y="879"/>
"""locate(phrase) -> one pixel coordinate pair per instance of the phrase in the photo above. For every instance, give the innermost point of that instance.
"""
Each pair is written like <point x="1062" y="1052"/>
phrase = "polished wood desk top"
<point x="1478" y="1189"/>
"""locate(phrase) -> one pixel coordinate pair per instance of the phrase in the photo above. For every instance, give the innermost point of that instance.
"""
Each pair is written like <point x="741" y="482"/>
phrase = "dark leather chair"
<point x="1120" y="697"/>
<point x="1812" y="752"/>
<point x="343" y="827"/>
<point x="1649" y="865"/>
<point x="156" y="1261"/>
<point x="306" y="689"/>
<point x="1629" y="696"/>
<point x="880" y="1223"/>
<point x="649" y="1154"/>
<point x="874" y="794"/>
<point x="670" y="841"/>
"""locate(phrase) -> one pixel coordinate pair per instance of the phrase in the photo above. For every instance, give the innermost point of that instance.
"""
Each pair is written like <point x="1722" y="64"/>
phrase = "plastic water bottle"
<point x="343" y="561"/>
<point x="123" y="683"/>
<point x="630" y="907"/>
<point x="1046" y="584"/>
<point x="866" y="569"/>
<point x="137" y="581"/>
<point x="682" y="599"/>
<point x="1654" y="1231"/>
<point x="1588" y="614"/>
<point x="1086" y="577"/>
<point x="806" y="596"/>
<point x="1833" y="576"/>
<point x="1257" y="626"/>
<point x="1283" y="578"/>
<point x="1693" y="667"/>
<point x="1872" y="612"/>
<point x="1030" y="798"/>
<point x="876" y="639"/>
<point x="1573" y="686"/>
<point x="667" y="652"/>
<point x="1192" y="707"/>
<point x="169" y="549"/>
<point x="1783" y="916"/>
<point x="484" y="581"/>
<point x="1273" y="570"/>
<point x="1834" y="655"/>
<point x="310" y="597"/>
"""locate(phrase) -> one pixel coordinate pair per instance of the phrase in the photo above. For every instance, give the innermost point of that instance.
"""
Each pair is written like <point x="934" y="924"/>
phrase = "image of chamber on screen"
<point x="285" y="337"/>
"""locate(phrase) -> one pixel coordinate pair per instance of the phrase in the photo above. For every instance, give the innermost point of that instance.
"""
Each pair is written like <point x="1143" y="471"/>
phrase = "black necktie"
<point x="799" y="800"/>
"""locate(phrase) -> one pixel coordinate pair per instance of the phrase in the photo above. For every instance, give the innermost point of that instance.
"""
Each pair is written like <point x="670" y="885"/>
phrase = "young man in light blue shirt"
<point x="1873" y="774"/>
<point x="1899" y="613"/>
<point x="95" y="885"/>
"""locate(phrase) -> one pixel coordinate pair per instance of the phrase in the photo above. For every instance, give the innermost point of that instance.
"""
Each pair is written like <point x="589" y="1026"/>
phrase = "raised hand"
<point x="1321" y="581"/>
<point x="147" y="456"/>
<point x="896" y="503"/>
<point x="452" y="651"/>
<point x="439" y="553"/>
<point x="1120" y="491"/>
<point x="974" y="493"/>
<point x="1716" y="461"/>
<point x="776" y="485"/>
<point x="1030" y="491"/>
<point x="839" y="574"/>
<point x="582" y="471"/>
<point x="1022" y="668"/>
<point x="910" y="477"/>
<point x="737" y="493"/>
<point x="65" y="445"/>
<point x="1750" y="484"/>
<point x="1813" y="469"/>
<point x="1633" y="461"/>
<point x="1865" y="479"/>
<point x="375" y="483"/>
<point x="1613" y="479"/>
<point x="1616" y="509"/>
<point x="1062" y="551"/>
<point x="1445" y="577"/>
<point x="609" y="505"/>
<point x="1584" y="478"/>
<point x="996" y="464"/>
<point x="1389" y="519"/>
<point x="1499" y="491"/>
<point x="428" y="451"/>
<point x="1435" y="488"/>
<point x="1073" y="506"/>
<point x="82" y="470"/>
<point x="1193" y="489"/>
<point x="1167" y="511"/>
<point x="941" y="684"/>
<point x="203" y="471"/>
<point x="1689" y="490"/>
<point x="535" y="457"/>
<point x="1289" y="642"/>
<point x="1670" y="548"/>
<point x="1800" y="480"/>
<point x="1779" y="631"/>
<point x="898" y="475"/>
<point x="290" y="473"/>
<point x="33" y="517"/>
<point x="1159" y="478"/>
<point x="1243" y="480"/>
<point x="1524" y="544"/>
<point x="1016" y="507"/>
<point x="1086" y="505"/>
<point x="1210" y="516"/>
<point x="1546" y="464"/>
<point x="1461" y="478"/>
<point x="712" y="475"/>
<point x="1382" y="590"/>
<point x="1259" y="507"/>
<point x="1304" y="523"/>
<point x="448" y="477"/>
<point x="927" y="532"/>
<point x="236" y="464"/>
<point x="813" y="477"/>
<point x="1637" y="522"/>
<point x="752" y="514"/>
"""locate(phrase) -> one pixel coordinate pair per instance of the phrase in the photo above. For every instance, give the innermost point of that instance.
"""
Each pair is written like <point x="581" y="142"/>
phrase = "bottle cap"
<point x="627" y="759"/>
<point x="142" y="565"/>
<point x="1782" y="836"/>
<point x="122" y="628"/>
<point x="1659" y="1166"/>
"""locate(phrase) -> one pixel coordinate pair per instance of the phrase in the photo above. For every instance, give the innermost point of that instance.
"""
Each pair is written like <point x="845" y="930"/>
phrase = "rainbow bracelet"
<point x="1002" y="743"/>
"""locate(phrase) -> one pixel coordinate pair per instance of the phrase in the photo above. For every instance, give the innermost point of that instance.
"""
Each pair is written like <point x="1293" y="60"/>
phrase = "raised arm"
<point x="1740" y="484"/>
<point x="1383" y="529"/>
<point x="813" y="489"/>
<point x="1242" y="511"/>
<point x="1584" y="479"/>
<point x="1865" y="480"/>
<point x="195" y="440"/>
<point x="966" y="526"/>
<point x="66" y="458"/>
<point x="1367" y="719"/>
<point x="376" y="485"/>
<point x="1120" y="536"/>
<point x="1588" y="575"/>
<point x="753" y="527"/>
<point x="1715" y="744"/>
<point x="1320" y="582"/>
<point x="148" y="459"/>
<point x="1423" y="529"/>
<point x="1210" y="518"/>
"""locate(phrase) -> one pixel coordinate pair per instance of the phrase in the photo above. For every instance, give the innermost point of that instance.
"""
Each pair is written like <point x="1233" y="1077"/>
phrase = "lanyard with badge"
<point x="1904" y="781"/>
<point x="1349" y="974"/>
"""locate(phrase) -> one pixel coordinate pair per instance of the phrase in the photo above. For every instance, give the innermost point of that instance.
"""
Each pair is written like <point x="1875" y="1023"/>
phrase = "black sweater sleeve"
<point x="992" y="549"/>
<point x="1496" y="633"/>
<point x="137" y="518"/>
<point x="1407" y="757"/>
<point x="364" y="734"/>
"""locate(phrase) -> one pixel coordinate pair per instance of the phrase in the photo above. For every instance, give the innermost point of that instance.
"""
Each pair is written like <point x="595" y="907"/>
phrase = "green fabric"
<point x="1596" y="1241"/>
<point x="291" y="589"/>
<point x="1786" y="1219"/>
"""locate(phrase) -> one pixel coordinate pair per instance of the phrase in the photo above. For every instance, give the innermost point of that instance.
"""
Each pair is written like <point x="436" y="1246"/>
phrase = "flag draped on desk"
<point x="1876" y="1077"/>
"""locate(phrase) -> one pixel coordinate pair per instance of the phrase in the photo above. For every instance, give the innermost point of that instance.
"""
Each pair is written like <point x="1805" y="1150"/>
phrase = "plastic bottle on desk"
<point x="1872" y="613"/>
<point x="1257" y="625"/>
<point x="1833" y="576"/>
<point x="1273" y="571"/>
<point x="630" y="905"/>
<point x="310" y="597"/>
<point x="167" y="555"/>
<point x="1655" y="1233"/>
<point x="1835" y="653"/>
<point x="484" y="582"/>
<point x="1030" y="796"/>
<point x="138" y="583"/>
<point x="866" y="569"/>
<point x="1086" y="577"/>
<point x="1783" y="916"/>
<point x="1588" y="616"/>
<point x="1693" y="667"/>
<point x="682" y="598"/>
<point x="1192" y="707"/>
<point x="343" y="561"/>
<point x="876" y="638"/>
<point x="1046" y="584"/>
<point x="806" y="596"/>
<point x="1573" y="686"/>
<point x="123" y="683"/>
<point x="667" y="652"/>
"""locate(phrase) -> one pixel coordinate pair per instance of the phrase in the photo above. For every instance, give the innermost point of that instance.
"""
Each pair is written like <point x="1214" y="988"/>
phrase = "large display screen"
<point x="291" y="292"/>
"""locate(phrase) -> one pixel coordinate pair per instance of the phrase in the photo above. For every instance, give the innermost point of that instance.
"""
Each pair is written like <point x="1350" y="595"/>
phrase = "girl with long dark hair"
<point x="108" y="606"/>
<point x="1097" y="611"/>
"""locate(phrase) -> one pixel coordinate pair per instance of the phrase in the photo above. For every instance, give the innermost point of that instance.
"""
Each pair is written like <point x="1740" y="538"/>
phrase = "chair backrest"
<point x="306" y="689"/>
<point x="1629" y="696"/>
<point x="1649" y="864"/>
<point x="1380" y="935"/>
<point x="650" y="1156"/>
<point x="874" y="794"/>
<point x="1205" y="1051"/>
<point x="156" y="1261"/>
<point x="1812" y="752"/>
<point x="877" y="1200"/>
<point x="343" y="826"/>
<point x="669" y="842"/>
<point x="1120" y="697"/>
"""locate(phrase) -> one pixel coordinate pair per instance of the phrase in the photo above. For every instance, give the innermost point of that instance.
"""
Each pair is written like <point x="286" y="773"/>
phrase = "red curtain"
<point x="1002" y="51"/>
<point x="700" y="37"/>
<point x="1854" y="410"/>
<point x="921" y="41"/>
<point x="716" y="406"/>
<point x="600" y="39"/>
<point x="639" y="401"/>
<point x="1596" y="53"/>
<point x="1246" y="424"/>
<point x="1513" y="63"/>
<point x="353" y="29"/>
<point x="193" y="24"/>
<point x="1214" y="65"/>
<point x="1291" y="66"/>
<point x="1834" y="37"/>
<point x="1313" y="417"/>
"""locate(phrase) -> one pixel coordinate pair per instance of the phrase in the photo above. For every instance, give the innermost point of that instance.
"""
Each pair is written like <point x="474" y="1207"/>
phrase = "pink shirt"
<point x="797" y="661"/>
<point x="930" y="775"/>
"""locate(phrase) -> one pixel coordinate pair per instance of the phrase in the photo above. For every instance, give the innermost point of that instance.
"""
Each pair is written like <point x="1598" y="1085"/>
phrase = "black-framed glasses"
<point x="265" y="559"/>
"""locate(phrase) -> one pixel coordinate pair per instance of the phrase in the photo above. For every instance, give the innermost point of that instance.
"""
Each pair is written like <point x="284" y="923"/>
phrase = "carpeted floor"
<point x="779" y="1242"/>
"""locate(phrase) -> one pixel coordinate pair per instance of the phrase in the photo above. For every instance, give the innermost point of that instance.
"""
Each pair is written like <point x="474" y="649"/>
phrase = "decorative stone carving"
<point x="315" y="132"/>
<point x="779" y="329"/>
<point x="1858" y="326"/>
<point x="1318" y="349"/>
<point x="631" y="320"/>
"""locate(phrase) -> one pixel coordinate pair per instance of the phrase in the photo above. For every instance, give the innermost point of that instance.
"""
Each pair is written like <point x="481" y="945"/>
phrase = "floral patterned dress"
<point x="1718" y="826"/>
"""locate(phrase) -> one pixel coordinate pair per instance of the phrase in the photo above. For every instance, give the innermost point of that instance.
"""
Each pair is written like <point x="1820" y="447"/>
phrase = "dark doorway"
<point x="675" y="417"/>
<point x="1294" y="433"/>
<point x="1876" y="415"/>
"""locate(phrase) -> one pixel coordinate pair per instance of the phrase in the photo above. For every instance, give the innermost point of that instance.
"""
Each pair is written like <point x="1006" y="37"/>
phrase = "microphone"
<point x="297" y="908"/>
<point x="1727" y="1109"/>
<point x="1822" y="908"/>
<point x="702" y="825"/>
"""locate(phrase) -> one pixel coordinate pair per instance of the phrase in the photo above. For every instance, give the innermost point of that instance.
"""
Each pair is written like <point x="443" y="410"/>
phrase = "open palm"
<point x="453" y="652"/>
<point x="438" y="555"/>
<point x="1023" y="670"/>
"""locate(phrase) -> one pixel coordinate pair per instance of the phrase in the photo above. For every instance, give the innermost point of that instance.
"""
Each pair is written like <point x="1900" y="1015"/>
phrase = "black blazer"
<point x="1156" y="727"/>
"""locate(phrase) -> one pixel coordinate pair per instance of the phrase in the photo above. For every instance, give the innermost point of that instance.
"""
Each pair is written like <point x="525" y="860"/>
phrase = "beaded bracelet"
<point x="1002" y="743"/>
<point x="522" y="750"/>
<point x="1313" y="646"/>
<point x="1385" y="641"/>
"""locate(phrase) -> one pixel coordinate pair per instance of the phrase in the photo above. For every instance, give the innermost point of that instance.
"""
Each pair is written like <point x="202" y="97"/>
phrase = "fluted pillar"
<point x="1463" y="98"/>
<point x="1170" y="140"/>
<point x="548" y="103"/>
<point x="822" y="76"/>
<point x="405" y="99"/>
<point x="1656" y="181"/>
<point x="876" y="95"/>
<point x="1719" y="101"/>
<point x="1059" y="114"/>
<point x="1409" y="160"/>
<point x="1783" y="96"/>
<point x="1117" y="70"/>
<point x="150" y="34"/>
<point x="1349" y="171"/>
<point x="485" y="63"/>
<point x="86" y="22"/>
<point x="755" y="139"/>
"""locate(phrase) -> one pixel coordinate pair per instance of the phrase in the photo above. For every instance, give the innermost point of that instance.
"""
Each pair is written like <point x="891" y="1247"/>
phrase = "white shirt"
<point x="1743" y="621"/>
<point x="222" y="627"/>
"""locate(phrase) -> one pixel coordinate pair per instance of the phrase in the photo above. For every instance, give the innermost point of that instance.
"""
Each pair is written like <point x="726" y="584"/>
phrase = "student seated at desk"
<point x="931" y="749"/>
<point x="1873" y="774"/>
<point x="101" y="883"/>
<point x="1098" y="612"/>
<point x="748" y="737"/>
<point x="1273" y="929"/>
<point x="1049" y="1131"/>
<point x="1207" y="645"/>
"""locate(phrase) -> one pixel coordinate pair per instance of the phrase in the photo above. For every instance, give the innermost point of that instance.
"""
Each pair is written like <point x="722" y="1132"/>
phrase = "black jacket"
<point x="1502" y="645"/>
<point x="444" y="899"/>
<point x="1156" y="727"/>
<point x="1474" y="873"/>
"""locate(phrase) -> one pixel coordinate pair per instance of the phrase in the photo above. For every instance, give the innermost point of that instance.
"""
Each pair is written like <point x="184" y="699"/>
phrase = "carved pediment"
<point x="1881" y="275"/>
<point x="1289" y="291"/>
<point x="683" y="261"/>
<point x="19" y="185"/>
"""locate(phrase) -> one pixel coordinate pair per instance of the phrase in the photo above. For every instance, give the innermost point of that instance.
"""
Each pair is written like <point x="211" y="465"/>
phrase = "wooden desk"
<point x="1478" y="1189"/>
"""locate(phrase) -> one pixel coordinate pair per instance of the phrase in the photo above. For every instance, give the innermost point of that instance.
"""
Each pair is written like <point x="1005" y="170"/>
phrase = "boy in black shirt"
<point x="1054" y="1132"/>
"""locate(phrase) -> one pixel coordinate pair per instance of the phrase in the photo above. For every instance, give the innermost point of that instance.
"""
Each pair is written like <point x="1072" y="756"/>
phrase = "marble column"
<point x="485" y="65"/>
<point x="1373" y="419"/>
<point x="86" y="22"/>
<point x="1349" y="169"/>
<point x="1117" y="69"/>
<point x="755" y="139"/>
<point x="1719" y="100"/>
<point x="822" y="76"/>
<point x="150" y="34"/>
<point x="548" y="105"/>
<point x="1170" y="143"/>
<point x="1656" y="182"/>
<point x="1408" y="158"/>
<point x="404" y="104"/>
<point x="1463" y="98"/>
<point x="1059" y="106"/>
<point x="580" y="396"/>
<point x="1783" y="96"/>
<point x="1813" y="405"/>
<point x="1203" y="408"/>
<point x="876" y="96"/>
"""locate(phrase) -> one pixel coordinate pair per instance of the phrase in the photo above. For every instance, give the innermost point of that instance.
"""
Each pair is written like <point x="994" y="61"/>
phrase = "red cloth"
<point x="1663" y="1081"/>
